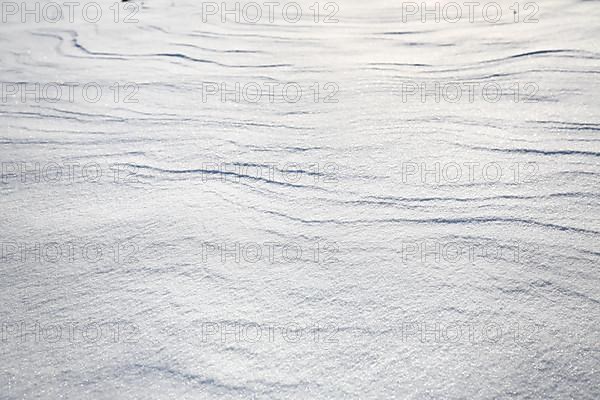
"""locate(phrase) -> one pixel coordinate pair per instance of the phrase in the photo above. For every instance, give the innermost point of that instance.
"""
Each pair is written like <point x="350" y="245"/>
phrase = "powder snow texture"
<point x="400" y="272"/>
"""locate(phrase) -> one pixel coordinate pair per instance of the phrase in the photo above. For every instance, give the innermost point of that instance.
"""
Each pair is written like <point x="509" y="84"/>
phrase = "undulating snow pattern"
<point x="420" y="222"/>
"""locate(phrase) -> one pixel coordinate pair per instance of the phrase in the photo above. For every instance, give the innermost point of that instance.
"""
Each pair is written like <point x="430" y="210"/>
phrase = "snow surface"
<point x="366" y="316"/>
